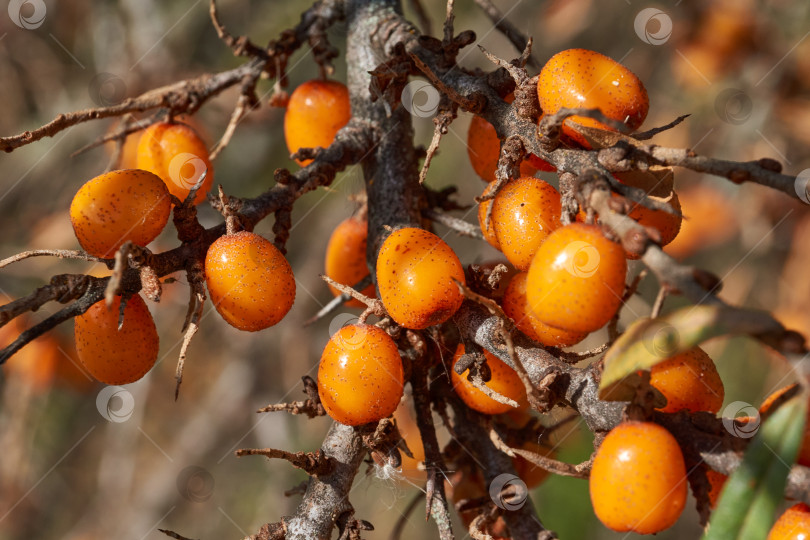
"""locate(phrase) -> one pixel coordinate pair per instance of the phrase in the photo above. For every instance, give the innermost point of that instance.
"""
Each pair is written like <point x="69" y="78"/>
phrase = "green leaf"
<point x="648" y="342"/>
<point x="750" y="497"/>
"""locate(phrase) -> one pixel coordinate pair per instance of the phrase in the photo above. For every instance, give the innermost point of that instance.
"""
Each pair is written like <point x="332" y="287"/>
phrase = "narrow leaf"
<point x="750" y="497"/>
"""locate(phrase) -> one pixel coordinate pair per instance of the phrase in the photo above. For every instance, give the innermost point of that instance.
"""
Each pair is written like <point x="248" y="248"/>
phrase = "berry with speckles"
<point x="116" y="356"/>
<point x="119" y="206"/>
<point x="638" y="479"/>
<point x="794" y="524"/>
<point x="488" y="232"/>
<point x="177" y="154"/>
<point x="360" y="377"/>
<point x="516" y="307"/>
<point x="250" y="282"/>
<point x="346" y="257"/>
<point x="315" y="113"/>
<point x="415" y="276"/>
<point x="580" y="78"/>
<point x="504" y="381"/>
<point x="524" y="213"/>
<point x="576" y="279"/>
<point x="689" y="381"/>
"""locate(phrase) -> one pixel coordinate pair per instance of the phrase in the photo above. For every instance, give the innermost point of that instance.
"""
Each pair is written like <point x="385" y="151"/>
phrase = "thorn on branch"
<point x="312" y="406"/>
<point x="313" y="463"/>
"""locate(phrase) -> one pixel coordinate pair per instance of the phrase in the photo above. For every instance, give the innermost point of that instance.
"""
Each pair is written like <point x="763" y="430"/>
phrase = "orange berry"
<point x="689" y="381"/>
<point x="315" y="113"/>
<point x="409" y="432"/>
<point x="128" y="159"/>
<point x="175" y="152"/>
<point x="504" y="381"/>
<point x="250" y="282"/>
<point x="516" y="307"/>
<point x="119" y="206"/>
<point x="346" y="257"/>
<point x="37" y="362"/>
<point x="531" y="474"/>
<point x="415" y="273"/>
<point x="576" y="279"/>
<point x="638" y="479"/>
<point x="489" y="233"/>
<point x="484" y="149"/>
<point x="524" y="213"/>
<point x="360" y="378"/>
<point x="716" y="482"/>
<point x="116" y="356"/>
<point x="580" y="78"/>
<point x="803" y="458"/>
<point x="794" y="524"/>
<point x="710" y="218"/>
<point x="667" y="224"/>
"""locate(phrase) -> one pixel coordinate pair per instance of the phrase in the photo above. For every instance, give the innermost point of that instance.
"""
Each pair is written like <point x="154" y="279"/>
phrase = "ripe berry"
<point x="531" y="474"/>
<point x="175" y="152"/>
<point x="710" y="219"/>
<point x="119" y="206"/>
<point x="579" y="78"/>
<point x="576" y="279"/>
<point x="524" y="213"/>
<point x="504" y="381"/>
<point x="250" y="282"/>
<point x="667" y="224"/>
<point x="415" y="273"/>
<point x="315" y="113"/>
<point x="484" y="149"/>
<point x="409" y="432"/>
<point x="716" y="482"/>
<point x="488" y="232"/>
<point x="116" y="356"/>
<point x="638" y="479"/>
<point x="689" y="381"/>
<point x="360" y="378"/>
<point x="36" y="364"/>
<point x="346" y="257"/>
<point x="516" y="307"/>
<point x="794" y="524"/>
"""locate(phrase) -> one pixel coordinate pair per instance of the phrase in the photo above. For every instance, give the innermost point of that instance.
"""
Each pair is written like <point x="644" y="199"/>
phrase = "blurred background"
<point x="79" y="462"/>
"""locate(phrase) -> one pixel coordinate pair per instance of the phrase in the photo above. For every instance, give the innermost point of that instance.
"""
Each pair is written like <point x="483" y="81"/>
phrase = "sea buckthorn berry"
<point x="315" y="113"/>
<point x="37" y="362"/>
<point x="710" y="219"/>
<point x="524" y="213"/>
<point x="119" y="206"/>
<point x="504" y="381"/>
<point x="803" y="458"/>
<point x="488" y="232"/>
<point x="360" y="378"/>
<point x="516" y="307"/>
<point x="576" y="279"/>
<point x="251" y="283"/>
<point x="346" y="257"/>
<point x="484" y="149"/>
<point x="638" y="479"/>
<point x="716" y="482"/>
<point x="531" y="474"/>
<point x="409" y="431"/>
<point x="116" y="356"/>
<point x="689" y="381"/>
<point x="579" y="78"/>
<point x="415" y="277"/>
<point x="794" y="524"/>
<point x="175" y="152"/>
<point x="667" y="224"/>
